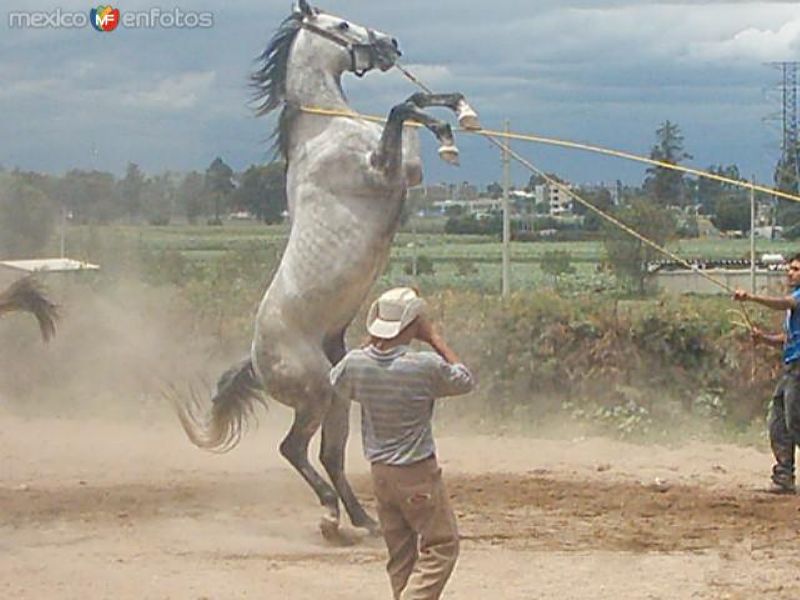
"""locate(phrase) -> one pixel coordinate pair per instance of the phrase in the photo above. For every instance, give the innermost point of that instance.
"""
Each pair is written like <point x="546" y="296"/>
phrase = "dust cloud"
<point x="102" y="496"/>
<point x="118" y="348"/>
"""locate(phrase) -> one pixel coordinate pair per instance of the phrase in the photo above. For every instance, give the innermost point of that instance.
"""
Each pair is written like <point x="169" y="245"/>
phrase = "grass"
<point x="460" y="261"/>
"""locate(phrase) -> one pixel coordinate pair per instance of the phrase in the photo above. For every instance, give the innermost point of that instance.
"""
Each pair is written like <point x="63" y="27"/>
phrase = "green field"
<point x="438" y="246"/>
<point x="459" y="261"/>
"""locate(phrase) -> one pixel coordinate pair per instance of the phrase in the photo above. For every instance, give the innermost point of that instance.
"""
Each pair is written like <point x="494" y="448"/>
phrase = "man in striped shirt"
<point x="396" y="387"/>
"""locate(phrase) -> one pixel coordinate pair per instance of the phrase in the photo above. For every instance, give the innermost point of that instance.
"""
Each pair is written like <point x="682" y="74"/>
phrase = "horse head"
<point x="362" y="48"/>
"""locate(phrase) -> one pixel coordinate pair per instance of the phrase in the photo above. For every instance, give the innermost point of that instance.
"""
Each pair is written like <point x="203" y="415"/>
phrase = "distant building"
<point x="480" y="207"/>
<point x="769" y="232"/>
<point x="466" y="191"/>
<point x="438" y="192"/>
<point x="557" y="199"/>
<point x="765" y="212"/>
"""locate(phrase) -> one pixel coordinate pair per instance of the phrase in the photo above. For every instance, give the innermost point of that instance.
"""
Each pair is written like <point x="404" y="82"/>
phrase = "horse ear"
<point x="304" y="8"/>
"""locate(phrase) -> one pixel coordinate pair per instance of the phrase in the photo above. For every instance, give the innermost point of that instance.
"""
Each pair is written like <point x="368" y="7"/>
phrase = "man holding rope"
<point x="784" y="415"/>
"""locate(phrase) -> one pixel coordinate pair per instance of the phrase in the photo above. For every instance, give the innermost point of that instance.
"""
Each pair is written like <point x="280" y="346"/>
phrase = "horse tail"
<point x="27" y="295"/>
<point x="221" y="428"/>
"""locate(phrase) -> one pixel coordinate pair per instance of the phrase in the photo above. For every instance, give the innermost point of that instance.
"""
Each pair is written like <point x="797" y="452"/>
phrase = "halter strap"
<point x="352" y="48"/>
<point x="326" y="34"/>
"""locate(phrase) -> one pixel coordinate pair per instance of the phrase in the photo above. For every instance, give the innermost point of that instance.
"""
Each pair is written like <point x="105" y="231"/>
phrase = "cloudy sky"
<point x="607" y="72"/>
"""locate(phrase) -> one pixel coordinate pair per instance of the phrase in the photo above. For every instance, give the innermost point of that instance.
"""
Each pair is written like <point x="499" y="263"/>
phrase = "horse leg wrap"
<point x="467" y="117"/>
<point x="449" y="154"/>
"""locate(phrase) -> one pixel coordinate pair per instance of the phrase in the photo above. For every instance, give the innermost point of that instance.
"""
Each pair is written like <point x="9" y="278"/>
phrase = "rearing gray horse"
<point x="346" y="184"/>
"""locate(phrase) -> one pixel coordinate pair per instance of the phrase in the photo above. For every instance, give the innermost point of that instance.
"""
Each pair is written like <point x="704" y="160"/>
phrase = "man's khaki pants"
<point x="419" y="528"/>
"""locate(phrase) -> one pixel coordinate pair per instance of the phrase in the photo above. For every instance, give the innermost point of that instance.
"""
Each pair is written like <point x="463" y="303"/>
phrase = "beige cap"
<point x="393" y="311"/>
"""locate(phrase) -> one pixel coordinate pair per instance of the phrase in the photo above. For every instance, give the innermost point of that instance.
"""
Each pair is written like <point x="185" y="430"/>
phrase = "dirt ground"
<point x="96" y="509"/>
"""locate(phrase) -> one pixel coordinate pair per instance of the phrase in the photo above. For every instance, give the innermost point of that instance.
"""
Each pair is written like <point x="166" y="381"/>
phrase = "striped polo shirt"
<point x="396" y="389"/>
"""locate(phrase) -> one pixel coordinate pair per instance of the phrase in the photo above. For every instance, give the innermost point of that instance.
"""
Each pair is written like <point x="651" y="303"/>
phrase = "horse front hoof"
<point x="449" y="154"/>
<point x="467" y="117"/>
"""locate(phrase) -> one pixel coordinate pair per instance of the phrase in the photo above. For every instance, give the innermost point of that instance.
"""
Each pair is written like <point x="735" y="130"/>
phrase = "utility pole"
<point x="506" y="216"/>
<point x="63" y="229"/>
<point x="753" y="237"/>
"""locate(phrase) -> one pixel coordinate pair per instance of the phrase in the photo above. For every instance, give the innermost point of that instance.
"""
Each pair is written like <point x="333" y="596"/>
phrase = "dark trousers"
<point x="784" y="423"/>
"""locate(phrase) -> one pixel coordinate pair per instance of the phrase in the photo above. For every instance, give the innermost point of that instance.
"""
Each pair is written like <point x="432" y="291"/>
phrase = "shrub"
<point x="633" y="373"/>
<point x="424" y="266"/>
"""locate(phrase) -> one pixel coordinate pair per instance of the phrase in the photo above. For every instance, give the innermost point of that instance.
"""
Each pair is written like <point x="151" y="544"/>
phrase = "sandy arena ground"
<point x="102" y="509"/>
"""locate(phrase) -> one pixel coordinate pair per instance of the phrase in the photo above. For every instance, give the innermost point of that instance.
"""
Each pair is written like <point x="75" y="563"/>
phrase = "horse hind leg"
<point x="335" y="430"/>
<point x="294" y="448"/>
<point x="335" y="433"/>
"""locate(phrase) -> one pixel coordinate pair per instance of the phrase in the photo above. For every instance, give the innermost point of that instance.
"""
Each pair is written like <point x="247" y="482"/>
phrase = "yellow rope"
<point x="492" y="135"/>
<point x="489" y="133"/>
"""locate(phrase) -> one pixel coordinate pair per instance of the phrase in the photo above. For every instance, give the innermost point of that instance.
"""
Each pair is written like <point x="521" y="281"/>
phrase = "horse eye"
<point x="344" y="26"/>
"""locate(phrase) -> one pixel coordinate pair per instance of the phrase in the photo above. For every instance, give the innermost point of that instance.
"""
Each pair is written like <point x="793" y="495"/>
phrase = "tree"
<point x="788" y="217"/>
<point x="470" y="224"/>
<point x="27" y="219"/>
<point x="158" y="199"/>
<point x="494" y="190"/>
<point x="665" y="185"/>
<point x="731" y="213"/>
<point x="454" y="210"/>
<point x="788" y="212"/>
<point x="630" y="256"/>
<point x="262" y="191"/>
<point x="786" y="174"/>
<point x="535" y="180"/>
<point x="600" y="199"/>
<point x="89" y="196"/>
<point x="191" y="196"/>
<point x="709" y="191"/>
<point x="130" y="191"/>
<point x="219" y="185"/>
<point x="424" y="266"/>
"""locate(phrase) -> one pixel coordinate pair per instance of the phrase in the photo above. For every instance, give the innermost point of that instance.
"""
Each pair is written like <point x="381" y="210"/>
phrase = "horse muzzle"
<point x="387" y="51"/>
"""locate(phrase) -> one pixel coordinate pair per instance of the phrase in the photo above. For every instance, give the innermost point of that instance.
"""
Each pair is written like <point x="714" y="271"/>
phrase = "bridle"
<point x="363" y="57"/>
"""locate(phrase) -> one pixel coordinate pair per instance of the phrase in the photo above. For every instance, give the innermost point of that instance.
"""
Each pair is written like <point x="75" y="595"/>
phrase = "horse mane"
<point x="269" y="80"/>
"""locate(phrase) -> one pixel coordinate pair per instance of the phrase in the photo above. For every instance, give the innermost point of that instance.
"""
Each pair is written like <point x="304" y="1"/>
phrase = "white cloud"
<point x="173" y="93"/>
<point x="754" y="44"/>
<point x="25" y="88"/>
<point x="434" y="74"/>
